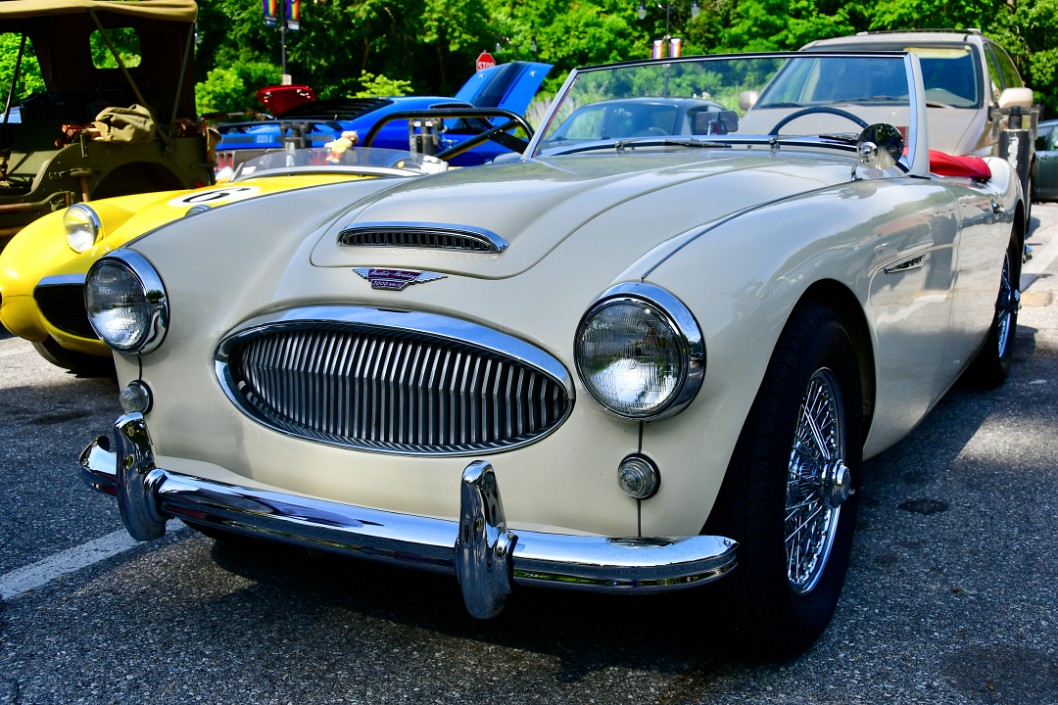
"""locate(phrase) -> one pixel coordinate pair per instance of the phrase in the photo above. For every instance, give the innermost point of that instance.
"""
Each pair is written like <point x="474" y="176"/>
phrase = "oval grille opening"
<point x="390" y="391"/>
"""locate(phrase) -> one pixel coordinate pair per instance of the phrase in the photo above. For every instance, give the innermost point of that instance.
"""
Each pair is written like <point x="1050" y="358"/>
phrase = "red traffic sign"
<point x="485" y="61"/>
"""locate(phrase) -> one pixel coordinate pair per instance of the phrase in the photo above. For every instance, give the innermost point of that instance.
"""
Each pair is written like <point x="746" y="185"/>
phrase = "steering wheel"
<point x="818" y="109"/>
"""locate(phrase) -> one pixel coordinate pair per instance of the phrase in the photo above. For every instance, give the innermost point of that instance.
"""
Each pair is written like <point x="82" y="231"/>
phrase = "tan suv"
<point x="977" y="102"/>
<point x="117" y="115"/>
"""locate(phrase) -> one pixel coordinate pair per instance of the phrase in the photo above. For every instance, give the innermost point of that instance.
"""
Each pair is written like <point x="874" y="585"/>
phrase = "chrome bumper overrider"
<point x="486" y="557"/>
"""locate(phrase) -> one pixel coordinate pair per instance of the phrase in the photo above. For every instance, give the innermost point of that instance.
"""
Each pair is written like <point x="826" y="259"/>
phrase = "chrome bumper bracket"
<point x="484" y="555"/>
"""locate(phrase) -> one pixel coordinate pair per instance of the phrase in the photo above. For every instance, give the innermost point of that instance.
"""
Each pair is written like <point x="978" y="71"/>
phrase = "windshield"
<point x="357" y="160"/>
<point x="729" y="100"/>
<point x="949" y="73"/>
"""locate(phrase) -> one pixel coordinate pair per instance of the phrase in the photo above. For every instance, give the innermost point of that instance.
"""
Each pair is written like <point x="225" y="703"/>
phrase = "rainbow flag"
<point x="293" y="8"/>
<point x="271" y="12"/>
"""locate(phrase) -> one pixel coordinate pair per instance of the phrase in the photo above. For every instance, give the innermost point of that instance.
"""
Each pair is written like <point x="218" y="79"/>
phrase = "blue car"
<point x="321" y="123"/>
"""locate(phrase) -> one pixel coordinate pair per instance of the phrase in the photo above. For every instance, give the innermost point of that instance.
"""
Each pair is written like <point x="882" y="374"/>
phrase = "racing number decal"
<point x="216" y="196"/>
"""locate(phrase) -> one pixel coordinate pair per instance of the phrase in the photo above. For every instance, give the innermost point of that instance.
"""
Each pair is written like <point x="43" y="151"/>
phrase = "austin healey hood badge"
<point x="395" y="279"/>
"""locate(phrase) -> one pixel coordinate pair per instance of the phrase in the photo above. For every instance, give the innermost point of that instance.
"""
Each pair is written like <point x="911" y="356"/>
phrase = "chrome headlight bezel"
<point x="144" y="301"/>
<point x="671" y="316"/>
<point x="83" y="227"/>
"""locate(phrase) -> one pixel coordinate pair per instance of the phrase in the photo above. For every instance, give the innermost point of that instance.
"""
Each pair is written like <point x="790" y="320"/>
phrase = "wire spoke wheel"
<point x="817" y="482"/>
<point x="1006" y="308"/>
<point x="788" y="496"/>
<point x="992" y="364"/>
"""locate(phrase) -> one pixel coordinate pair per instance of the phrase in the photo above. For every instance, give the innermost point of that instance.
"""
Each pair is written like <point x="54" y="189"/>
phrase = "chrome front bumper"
<point x="486" y="557"/>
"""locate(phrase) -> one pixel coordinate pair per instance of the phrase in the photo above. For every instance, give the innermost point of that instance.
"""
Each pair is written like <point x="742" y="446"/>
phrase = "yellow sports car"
<point x="42" y="270"/>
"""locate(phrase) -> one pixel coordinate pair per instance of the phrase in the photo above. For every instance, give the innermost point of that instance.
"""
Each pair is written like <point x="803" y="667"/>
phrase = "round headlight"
<point x="126" y="302"/>
<point x="83" y="227"/>
<point x="640" y="353"/>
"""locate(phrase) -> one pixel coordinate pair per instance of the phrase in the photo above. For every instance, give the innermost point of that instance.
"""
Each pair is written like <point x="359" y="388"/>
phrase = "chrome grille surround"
<point x="386" y="381"/>
<point x="434" y="236"/>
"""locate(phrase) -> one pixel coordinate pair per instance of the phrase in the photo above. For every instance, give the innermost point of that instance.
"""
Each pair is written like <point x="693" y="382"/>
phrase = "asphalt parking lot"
<point x="950" y="598"/>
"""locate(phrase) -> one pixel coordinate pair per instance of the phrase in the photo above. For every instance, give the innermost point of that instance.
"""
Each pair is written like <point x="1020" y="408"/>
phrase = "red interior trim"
<point x="955" y="165"/>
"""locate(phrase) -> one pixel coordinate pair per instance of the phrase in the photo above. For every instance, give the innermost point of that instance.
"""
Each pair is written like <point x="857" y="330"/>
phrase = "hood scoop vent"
<point x="431" y="236"/>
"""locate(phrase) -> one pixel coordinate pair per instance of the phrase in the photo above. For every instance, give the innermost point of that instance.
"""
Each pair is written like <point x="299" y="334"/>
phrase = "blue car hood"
<point x="507" y="86"/>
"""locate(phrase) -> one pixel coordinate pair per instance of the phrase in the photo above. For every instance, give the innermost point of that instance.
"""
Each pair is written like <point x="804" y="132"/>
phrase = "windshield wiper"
<point x="621" y="145"/>
<point x="843" y="138"/>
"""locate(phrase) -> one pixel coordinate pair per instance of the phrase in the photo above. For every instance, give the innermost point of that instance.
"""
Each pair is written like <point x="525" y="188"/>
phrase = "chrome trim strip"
<point x="351" y="170"/>
<point x="487" y="564"/>
<point x="478" y="239"/>
<point x="433" y="325"/>
<point x="62" y="280"/>
<point x="443" y="329"/>
<point x="915" y="262"/>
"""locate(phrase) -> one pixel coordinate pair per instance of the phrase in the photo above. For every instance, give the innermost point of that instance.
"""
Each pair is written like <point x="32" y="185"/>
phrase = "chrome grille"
<point x="424" y="235"/>
<point x="390" y="390"/>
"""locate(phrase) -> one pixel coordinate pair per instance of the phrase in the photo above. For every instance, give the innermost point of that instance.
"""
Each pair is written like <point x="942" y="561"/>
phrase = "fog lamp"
<point x="638" y="477"/>
<point x="136" y="396"/>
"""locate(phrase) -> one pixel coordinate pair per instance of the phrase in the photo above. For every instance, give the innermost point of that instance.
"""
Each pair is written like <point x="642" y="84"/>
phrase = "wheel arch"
<point x="837" y="296"/>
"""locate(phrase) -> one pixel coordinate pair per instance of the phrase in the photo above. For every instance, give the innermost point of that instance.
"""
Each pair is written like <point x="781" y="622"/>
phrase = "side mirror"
<point x="1015" y="98"/>
<point x="747" y="99"/>
<point x="716" y="122"/>
<point x="880" y="146"/>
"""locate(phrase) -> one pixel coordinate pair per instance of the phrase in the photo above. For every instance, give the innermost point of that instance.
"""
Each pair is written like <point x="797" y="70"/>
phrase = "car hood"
<point x="507" y="86"/>
<point x="129" y="216"/>
<point x="956" y="130"/>
<point x="627" y="204"/>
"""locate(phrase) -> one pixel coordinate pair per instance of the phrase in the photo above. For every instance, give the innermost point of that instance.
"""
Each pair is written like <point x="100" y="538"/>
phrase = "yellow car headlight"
<point x="83" y="227"/>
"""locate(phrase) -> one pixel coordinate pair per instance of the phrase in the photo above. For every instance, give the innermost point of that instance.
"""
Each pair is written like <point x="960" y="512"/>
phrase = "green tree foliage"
<point x="229" y="90"/>
<point x="380" y="85"/>
<point x="30" y="80"/>
<point x="361" y="47"/>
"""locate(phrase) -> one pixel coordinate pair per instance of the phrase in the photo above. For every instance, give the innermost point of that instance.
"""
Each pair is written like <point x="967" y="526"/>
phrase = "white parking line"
<point x="19" y="582"/>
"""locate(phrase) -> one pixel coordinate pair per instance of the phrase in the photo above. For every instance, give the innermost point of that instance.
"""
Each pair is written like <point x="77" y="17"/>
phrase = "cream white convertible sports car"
<point x="668" y="354"/>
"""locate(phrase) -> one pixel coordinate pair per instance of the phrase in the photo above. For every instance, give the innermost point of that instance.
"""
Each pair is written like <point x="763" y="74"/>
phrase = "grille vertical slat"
<point x="391" y="391"/>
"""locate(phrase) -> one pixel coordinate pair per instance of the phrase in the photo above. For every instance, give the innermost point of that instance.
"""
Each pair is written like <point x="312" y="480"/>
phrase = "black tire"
<point x="1028" y="201"/>
<point x="79" y="363"/>
<point x="779" y="473"/>
<point x="992" y="365"/>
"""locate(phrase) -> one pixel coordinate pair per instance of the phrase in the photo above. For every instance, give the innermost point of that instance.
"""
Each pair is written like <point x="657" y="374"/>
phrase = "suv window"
<point x="948" y="75"/>
<point x="1007" y="71"/>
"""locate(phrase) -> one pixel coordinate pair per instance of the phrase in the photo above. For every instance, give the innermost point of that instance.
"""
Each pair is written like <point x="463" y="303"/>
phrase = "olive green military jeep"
<point x="98" y="102"/>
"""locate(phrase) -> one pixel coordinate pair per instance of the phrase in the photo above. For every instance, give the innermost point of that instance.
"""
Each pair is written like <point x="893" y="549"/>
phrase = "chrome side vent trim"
<point x="434" y="236"/>
<point x="392" y="382"/>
